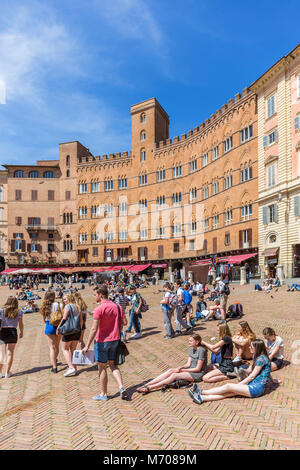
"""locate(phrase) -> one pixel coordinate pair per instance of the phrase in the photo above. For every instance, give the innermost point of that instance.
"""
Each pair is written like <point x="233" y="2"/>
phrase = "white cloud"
<point x="132" y="19"/>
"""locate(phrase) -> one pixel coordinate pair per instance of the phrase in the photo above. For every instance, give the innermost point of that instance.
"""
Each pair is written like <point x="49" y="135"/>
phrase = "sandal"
<point x="143" y="390"/>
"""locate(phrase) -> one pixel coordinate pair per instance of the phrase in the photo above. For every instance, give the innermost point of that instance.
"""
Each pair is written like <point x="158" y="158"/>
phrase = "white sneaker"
<point x="8" y="375"/>
<point x="236" y="359"/>
<point x="136" y="336"/>
<point x="70" y="372"/>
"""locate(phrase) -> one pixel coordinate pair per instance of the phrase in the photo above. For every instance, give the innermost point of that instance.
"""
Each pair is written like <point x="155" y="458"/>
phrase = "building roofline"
<point x="275" y="68"/>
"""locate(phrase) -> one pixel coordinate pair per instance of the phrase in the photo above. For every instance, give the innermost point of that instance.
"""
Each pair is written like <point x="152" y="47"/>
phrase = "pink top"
<point x="108" y="329"/>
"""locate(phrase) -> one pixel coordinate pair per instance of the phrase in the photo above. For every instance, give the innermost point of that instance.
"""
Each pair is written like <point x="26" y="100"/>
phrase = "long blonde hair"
<point x="80" y="303"/>
<point x="11" y="307"/>
<point x="246" y="331"/>
<point x="224" y="330"/>
<point x="48" y="300"/>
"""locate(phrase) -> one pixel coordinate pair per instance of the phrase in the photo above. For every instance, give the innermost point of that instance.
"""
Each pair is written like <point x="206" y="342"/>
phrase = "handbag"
<point x="122" y="350"/>
<point x="55" y="317"/>
<point x="71" y="325"/>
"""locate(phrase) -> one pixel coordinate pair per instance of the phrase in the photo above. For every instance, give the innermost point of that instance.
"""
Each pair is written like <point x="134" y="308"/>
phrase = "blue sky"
<point x="72" y="69"/>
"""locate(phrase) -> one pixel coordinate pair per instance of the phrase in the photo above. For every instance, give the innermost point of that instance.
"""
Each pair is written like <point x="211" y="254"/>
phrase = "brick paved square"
<point x="40" y="410"/>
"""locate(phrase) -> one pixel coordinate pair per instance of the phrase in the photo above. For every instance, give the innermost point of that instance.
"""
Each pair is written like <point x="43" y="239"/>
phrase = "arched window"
<point x="143" y="117"/>
<point x="68" y="160"/>
<point x="48" y="174"/>
<point x="34" y="174"/>
<point x="143" y="135"/>
<point x="143" y="155"/>
<point x="19" y="174"/>
<point x="68" y="173"/>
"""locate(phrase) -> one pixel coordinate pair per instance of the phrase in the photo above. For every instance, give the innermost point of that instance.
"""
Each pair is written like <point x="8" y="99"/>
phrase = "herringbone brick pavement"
<point x="39" y="410"/>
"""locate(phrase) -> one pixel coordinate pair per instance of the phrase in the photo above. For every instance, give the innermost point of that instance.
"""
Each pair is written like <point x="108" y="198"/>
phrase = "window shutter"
<point x="139" y="253"/>
<point x="240" y="238"/>
<point x="296" y="206"/>
<point x="23" y="246"/>
<point x="265" y="216"/>
<point x="14" y="235"/>
<point x="215" y="244"/>
<point x="22" y="235"/>
<point x="38" y="221"/>
<point x="250" y="237"/>
<point x="29" y="247"/>
<point x="29" y="220"/>
<point x="297" y="122"/>
<point x="39" y="248"/>
<point x="51" y="221"/>
<point x="146" y="253"/>
<point x="205" y="245"/>
<point x="265" y="140"/>
<point x="275" y="213"/>
<point x="275" y="134"/>
<point x="13" y="245"/>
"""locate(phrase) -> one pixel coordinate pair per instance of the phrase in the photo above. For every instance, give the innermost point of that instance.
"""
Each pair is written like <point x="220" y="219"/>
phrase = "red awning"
<point x="9" y="270"/>
<point x="138" y="268"/>
<point x="159" y="265"/>
<point x="238" y="259"/>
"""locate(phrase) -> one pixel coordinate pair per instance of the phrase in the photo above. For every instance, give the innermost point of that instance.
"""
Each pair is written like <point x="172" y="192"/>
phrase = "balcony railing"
<point x="51" y="228"/>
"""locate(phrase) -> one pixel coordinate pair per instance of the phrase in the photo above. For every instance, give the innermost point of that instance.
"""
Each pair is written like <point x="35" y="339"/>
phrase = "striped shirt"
<point x="123" y="301"/>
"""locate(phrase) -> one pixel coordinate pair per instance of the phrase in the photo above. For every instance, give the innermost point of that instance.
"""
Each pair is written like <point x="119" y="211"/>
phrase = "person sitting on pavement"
<point x="275" y="348"/>
<point x="242" y="341"/>
<point x="192" y="371"/>
<point x="252" y="386"/>
<point x="214" y="312"/>
<point x="219" y="372"/>
<point x="200" y="307"/>
<point x="293" y="287"/>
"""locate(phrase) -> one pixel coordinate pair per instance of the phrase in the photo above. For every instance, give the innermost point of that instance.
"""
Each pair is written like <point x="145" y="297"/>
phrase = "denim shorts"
<point x="50" y="329"/>
<point x="256" y="390"/>
<point x="105" y="351"/>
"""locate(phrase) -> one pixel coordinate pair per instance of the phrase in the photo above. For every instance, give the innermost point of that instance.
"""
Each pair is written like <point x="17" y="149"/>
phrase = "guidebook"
<point x="87" y="359"/>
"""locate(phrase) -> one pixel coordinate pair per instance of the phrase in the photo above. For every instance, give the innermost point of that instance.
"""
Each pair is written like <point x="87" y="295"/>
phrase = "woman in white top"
<point x="49" y="306"/>
<point x="275" y="348"/>
<point x="69" y="342"/>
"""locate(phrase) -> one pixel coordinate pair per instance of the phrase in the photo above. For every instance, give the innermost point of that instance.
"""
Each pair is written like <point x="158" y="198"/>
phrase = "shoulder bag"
<point x="71" y="325"/>
<point x="55" y="317"/>
<point x="122" y="350"/>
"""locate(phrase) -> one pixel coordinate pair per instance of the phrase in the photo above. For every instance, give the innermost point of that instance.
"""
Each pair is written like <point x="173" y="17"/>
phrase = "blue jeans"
<point x="257" y="287"/>
<point x="134" y="322"/>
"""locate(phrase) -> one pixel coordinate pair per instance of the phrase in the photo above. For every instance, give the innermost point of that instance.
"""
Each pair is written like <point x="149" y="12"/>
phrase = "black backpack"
<point x="227" y="289"/>
<point x="235" y="311"/>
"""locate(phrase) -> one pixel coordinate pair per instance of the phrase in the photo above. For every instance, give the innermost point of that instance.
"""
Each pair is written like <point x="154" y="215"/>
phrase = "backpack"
<point x="187" y="297"/>
<point x="144" y="306"/>
<point x="227" y="289"/>
<point x="235" y="310"/>
<point x="173" y="300"/>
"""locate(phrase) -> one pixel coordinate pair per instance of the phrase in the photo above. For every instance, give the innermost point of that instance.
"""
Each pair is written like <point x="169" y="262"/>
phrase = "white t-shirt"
<point x="54" y="308"/>
<point x="271" y="346"/>
<point x="167" y="296"/>
<point x="180" y="293"/>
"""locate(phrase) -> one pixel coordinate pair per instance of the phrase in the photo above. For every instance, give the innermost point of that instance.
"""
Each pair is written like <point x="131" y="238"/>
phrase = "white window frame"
<point x="215" y="153"/>
<point x="271" y="105"/>
<point x="143" y="155"/>
<point x="271" y="175"/>
<point x="95" y="187"/>
<point x="205" y="159"/>
<point x="193" y="165"/>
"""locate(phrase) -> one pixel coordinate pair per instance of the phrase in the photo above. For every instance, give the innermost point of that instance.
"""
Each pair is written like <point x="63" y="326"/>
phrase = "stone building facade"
<point x="278" y="98"/>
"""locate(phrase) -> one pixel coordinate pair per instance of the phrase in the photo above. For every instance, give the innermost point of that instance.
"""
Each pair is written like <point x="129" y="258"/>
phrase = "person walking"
<point x="11" y="317"/>
<point x="69" y="342"/>
<point x="107" y="319"/>
<point x="168" y="311"/>
<point x="135" y="312"/>
<point x="122" y="300"/>
<point x="81" y="307"/>
<point x="50" y="306"/>
<point x="180" y="310"/>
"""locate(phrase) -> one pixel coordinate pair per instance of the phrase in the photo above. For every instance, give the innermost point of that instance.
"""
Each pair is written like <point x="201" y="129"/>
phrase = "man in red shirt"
<point x="105" y="328"/>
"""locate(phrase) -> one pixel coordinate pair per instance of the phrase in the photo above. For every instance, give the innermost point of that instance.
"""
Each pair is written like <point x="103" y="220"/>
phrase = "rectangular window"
<point x="95" y="187"/>
<point x="215" y="221"/>
<point x="143" y="155"/>
<point x="50" y="195"/>
<point x="191" y="244"/>
<point x="215" y="153"/>
<point x="177" y="171"/>
<point x="161" y="175"/>
<point x="193" y="166"/>
<point x="271" y="106"/>
<point x="193" y="194"/>
<point x="109" y="185"/>
<point x="227" y="239"/>
<point x="18" y="220"/>
<point x="95" y="251"/>
<point x="144" y="234"/>
<point x="205" y="192"/>
<point x="271" y="175"/>
<point x="176" y="247"/>
<point x="123" y="208"/>
<point x="143" y="180"/>
<point x="228" y="144"/>
<point x="34" y="195"/>
<point x="68" y="195"/>
<point x="205" y="159"/>
<point x="206" y="224"/>
<point x="246" y="133"/>
<point x="83" y="188"/>
<point x="123" y="183"/>
<point x="18" y="195"/>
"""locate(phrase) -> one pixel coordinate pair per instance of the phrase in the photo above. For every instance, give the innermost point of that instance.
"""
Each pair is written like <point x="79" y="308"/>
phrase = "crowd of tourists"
<point x="238" y="355"/>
